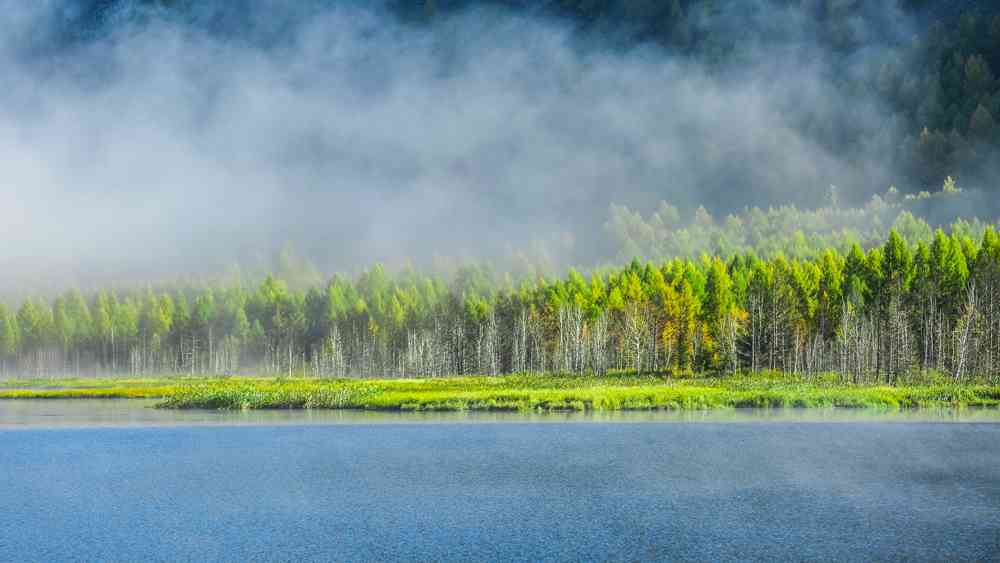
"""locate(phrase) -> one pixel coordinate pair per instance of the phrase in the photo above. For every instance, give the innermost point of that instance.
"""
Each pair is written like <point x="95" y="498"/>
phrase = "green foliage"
<point x="873" y="315"/>
<point x="552" y="393"/>
<point x="10" y="333"/>
<point x="785" y="230"/>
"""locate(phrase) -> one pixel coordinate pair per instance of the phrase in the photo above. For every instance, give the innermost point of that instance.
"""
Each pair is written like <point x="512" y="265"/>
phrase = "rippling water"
<point x="140" y="484"/>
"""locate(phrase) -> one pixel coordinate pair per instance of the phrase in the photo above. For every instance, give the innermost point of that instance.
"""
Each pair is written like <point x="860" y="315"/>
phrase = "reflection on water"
<point x="62" y="413"/>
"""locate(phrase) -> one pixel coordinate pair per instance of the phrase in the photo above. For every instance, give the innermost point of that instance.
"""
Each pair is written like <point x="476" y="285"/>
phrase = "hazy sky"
<point x="159" y="145"/>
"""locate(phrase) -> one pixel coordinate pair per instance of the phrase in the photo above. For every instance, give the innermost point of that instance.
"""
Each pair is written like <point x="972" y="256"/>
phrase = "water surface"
<point x="75" y="413"/>
<point x="755" y="486"/>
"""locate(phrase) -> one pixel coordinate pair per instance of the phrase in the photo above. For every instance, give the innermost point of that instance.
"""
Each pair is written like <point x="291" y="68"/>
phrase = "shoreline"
<point x="73" y="414"/>
<point x="515" y="393"/>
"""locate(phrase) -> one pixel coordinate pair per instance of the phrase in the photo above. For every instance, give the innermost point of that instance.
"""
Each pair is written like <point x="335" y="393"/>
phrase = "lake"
<point x="114" y="481"/>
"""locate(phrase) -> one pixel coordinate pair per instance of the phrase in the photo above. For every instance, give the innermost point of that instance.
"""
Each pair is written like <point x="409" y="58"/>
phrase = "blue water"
<point x="537" y="491"/>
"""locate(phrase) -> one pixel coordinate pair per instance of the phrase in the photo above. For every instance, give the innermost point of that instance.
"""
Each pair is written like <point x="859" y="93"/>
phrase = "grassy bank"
<point x="514" y="393"/>
<point x="549" y="393"/>
<point x="98" y="388"/>
<point x="117" y="392"/>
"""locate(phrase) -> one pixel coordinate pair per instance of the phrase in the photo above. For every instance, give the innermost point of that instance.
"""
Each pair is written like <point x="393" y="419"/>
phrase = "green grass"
<point x="519" y="393"/>
<point x="553" y="393"/>
<point x="113" y="392"/>
<point x="100" y="388"/>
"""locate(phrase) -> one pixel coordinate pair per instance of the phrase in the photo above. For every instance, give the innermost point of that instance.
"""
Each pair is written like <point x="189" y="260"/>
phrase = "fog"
<point x="148" y="145"/>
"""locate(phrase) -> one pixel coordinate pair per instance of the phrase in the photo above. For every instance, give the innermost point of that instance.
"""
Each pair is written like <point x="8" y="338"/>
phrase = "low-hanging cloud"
<point x="158" y="145"/>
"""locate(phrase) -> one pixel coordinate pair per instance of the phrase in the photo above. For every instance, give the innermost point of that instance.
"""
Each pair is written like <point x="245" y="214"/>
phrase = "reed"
<point x="526" y="392"/>
<point x="553" y="393"/>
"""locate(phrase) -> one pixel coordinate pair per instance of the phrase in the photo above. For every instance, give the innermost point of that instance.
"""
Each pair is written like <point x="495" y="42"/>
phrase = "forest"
<point x="871" y="315"/>
<point x="905" y="283"/>
<point x="794" y="232"/>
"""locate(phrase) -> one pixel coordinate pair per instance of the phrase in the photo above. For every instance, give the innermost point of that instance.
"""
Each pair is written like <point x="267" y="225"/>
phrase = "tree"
<point x="978" y="76"/>
<point x="104" y="327"/>
<point x="35" y="323"/>
<point x="688" y="335"/>
<point x="125" y="329"/>
<point x="203" y="320"/>
<point x="9" y="337"/>
<point x="981" y="124"/>
<point x="718" y="313"/>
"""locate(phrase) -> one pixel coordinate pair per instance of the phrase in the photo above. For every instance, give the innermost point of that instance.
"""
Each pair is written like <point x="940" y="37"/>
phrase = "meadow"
<point x="526" y="393"/>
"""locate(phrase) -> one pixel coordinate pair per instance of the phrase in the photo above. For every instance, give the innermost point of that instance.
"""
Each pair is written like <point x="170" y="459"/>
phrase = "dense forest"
<point x="905" y="93"/>
<point x="897" y="285"/>
<point x="795" y="233"/>
<point x="900" y="307"/>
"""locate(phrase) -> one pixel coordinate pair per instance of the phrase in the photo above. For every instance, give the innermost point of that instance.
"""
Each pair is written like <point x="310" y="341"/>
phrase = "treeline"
<point x="870" y="316"/>
<point x="792" y="232"/>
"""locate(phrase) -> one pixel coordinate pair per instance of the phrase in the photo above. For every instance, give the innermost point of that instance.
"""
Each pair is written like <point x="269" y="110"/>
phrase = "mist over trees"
<point x="742" y="150"/>
<point x="792" y="232"/>
<point x="147" y="139"/>
<point x="878" y="316"/>
<point x="932" y="64"/>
